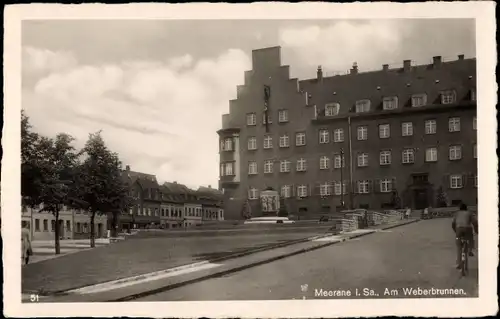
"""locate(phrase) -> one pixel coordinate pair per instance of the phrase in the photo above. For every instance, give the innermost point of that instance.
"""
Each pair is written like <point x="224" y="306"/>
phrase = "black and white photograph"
<point x="281" y="161"/>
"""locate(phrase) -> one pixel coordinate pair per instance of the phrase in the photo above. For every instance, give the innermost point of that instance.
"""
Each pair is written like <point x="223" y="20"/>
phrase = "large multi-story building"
<point x="394" y="137"/>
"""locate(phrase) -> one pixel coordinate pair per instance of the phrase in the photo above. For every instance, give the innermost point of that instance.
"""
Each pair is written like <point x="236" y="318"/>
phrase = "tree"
<point x="47" y="173"/>
<point x="442" y="199"/>
<point x="100" y="183"/>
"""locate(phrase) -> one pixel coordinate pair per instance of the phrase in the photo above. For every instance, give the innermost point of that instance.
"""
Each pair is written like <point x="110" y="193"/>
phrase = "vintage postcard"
<point x="257" y="160"/>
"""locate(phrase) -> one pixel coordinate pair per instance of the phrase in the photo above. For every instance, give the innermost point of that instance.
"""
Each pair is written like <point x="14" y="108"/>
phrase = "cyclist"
<point x="464" y="222"/>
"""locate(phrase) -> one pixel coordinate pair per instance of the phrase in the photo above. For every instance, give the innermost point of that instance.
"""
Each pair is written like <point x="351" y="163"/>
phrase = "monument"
<point x="270" y="202"/>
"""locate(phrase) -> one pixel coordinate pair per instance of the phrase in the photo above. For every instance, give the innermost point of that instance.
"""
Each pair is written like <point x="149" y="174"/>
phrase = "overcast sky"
<point x="158" y="89"/>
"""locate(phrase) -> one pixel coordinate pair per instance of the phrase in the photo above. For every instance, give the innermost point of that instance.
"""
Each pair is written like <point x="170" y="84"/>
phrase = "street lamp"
<point x="342" y="178"/>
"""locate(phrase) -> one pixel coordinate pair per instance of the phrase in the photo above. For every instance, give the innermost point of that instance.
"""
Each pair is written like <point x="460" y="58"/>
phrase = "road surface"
<point x="417" y="256"/>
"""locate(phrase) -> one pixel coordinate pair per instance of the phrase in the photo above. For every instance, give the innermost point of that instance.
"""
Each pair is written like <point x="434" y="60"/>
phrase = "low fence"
<point x="361" y="219"/>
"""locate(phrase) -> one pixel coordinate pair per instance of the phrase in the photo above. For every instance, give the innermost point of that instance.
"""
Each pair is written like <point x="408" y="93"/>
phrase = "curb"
<point x="251" y="265"/>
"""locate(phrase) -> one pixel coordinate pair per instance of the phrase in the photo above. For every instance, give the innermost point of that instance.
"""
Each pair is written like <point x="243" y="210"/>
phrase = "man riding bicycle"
<point x="464" y="223"/>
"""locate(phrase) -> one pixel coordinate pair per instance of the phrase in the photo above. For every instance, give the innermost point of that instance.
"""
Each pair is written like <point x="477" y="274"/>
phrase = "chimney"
<point x="406" y="65"/>
<point x="436" y="61"/>
<point x="385" y="67"/>
<point x="354" y="69"/>
<point x="127" y="168"/>
<point x="320" y="73"/>
<point x="461" y="57"/>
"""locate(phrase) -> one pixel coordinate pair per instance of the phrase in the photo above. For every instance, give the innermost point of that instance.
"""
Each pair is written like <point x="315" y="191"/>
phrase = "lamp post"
<point x="342" y="178"/>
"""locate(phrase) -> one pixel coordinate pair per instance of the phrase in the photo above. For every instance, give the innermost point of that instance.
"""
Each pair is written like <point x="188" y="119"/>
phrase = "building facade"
<point x="389" y="138"/>
<point x="212" y="204"/>
<point x="145" y="212"/>
<point x="73" y="224"/>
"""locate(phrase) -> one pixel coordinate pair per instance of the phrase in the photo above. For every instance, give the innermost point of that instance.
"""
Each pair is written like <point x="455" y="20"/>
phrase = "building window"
<point x="68" y="225"/>
<point x="285" y="166"/>
<point x="362" y="106"/>
<point x="268" y="142"/>
<point x="474" y="123"/>
<point x="269" y="119"/>
<point x="384" y="131"/>
<point x="301" y="165"/>
<point x="226" y="169"/>
<point x="339" y="161"/>
<point x="418" y="100"/>
<point x="338" y="135"/>
<point x="337" y="187"/>
<point x="332" y="109"/>
<point x="284" y="141"/>
<point x="300" y="139"/>
<point x="363" y="160"/>
<point x="227" y="144"/>
<point x="456" y="181"/>
<point x="386" y="185"/>
<point x="85" y="228"/>
<point x="251" y="119"/>
<point x="78" y="227"/>
<point x="286" y="191"/>
<point x="431" y="154"/>
<point x="283" y="116"/>
<point x="252" y="168"/>
<point x="325" y="189"/>
<point x="362" y="133"/>
<point x="385" y="157"/>
<point x="407" y="128"/>
<point x="149" y="211"/>
<point x="455" y="152"/>
<point x="37" y="224"/>
<point x="390" y="103"/>
<point x="363" y="187"/>
<point x="430" y="127"/>
<point x="53" y="225"/>
<point x="448" y="97"/>
<point x="302" y="191"/>
<point x="475" y="150"/>
<point x="268" y="167"/>
<point x="324" y="162"/>
<point x="252" y="193"/>
<point x="454" y="124"/>
<point x="324" y="136"/>
<point x="252" y="143"/>
<point x="408" y="156"/>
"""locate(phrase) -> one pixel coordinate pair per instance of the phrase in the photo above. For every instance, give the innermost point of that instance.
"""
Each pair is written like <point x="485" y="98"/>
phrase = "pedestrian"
<point x="25" y="243"/>
<point x="408" y="212"/>
<point x="426" y="213"/>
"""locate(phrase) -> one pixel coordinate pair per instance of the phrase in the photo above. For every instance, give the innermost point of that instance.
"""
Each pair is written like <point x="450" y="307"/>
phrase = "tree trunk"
<point x="56" y="233"/>
<point x="92" y="230"/>
<point x="114" y="225"/>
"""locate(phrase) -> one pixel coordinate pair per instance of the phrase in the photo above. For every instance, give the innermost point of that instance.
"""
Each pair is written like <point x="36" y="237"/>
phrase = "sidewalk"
<point x="45" y="249"/>
<point x="140" y="286"/>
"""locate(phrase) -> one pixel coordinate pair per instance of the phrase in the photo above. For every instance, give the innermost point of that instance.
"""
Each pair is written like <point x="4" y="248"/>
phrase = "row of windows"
<point x="79" y="227"/>
<point x="176" y="212"/>
<point x="363" y="106"/>
<point x="385" y="158"/>
<point x="384" y="185"/>
<point x="384" y="131"/>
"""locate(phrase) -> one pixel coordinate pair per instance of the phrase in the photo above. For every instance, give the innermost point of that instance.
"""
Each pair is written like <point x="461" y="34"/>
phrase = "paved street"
<point x="412" y="256"/>
<point x="136" y="256"/>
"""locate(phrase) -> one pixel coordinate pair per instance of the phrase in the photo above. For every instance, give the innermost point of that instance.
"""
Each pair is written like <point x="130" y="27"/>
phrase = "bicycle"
<point x="464" y="261"/>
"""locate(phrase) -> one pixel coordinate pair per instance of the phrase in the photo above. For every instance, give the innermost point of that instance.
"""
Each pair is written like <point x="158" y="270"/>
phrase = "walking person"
<point x="25" y="243"/>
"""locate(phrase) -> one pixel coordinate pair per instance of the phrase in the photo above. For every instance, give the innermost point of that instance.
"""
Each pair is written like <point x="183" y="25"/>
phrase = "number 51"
<point x="34" y="298"/>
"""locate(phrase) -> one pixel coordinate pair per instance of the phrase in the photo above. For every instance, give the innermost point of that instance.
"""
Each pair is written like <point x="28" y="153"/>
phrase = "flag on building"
<point x="267" y="97"/>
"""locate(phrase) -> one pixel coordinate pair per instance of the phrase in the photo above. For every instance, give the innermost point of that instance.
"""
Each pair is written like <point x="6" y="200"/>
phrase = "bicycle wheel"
<point x="464" y="258"/>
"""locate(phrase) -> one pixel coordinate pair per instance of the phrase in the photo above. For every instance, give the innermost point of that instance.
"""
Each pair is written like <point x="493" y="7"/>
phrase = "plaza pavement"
<point x="149" y="252"/>
<point x="141" y="286"/>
